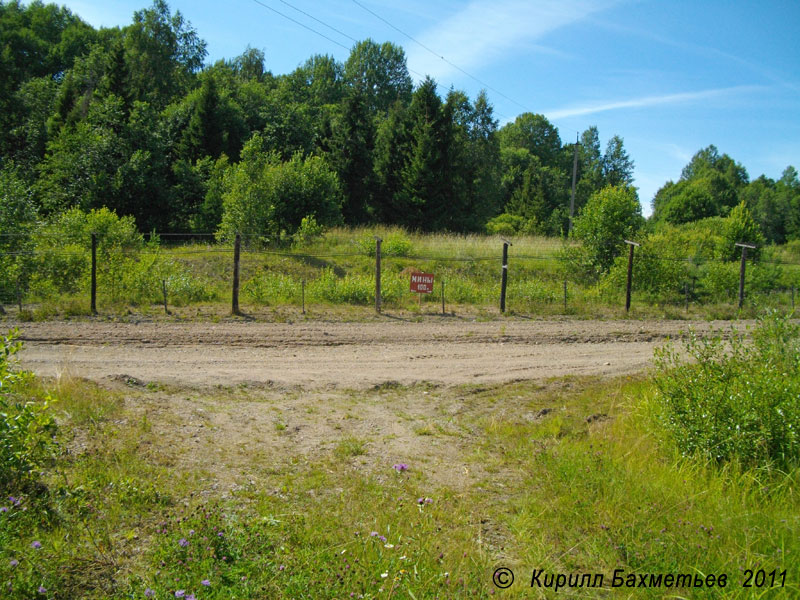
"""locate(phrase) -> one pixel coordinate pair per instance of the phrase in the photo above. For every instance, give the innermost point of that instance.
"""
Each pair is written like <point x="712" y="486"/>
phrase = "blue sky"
<point x="668" y="77"/>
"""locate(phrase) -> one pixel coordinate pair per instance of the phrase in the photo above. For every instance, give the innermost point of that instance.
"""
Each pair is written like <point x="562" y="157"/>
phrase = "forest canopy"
<point x="133" y="119"/>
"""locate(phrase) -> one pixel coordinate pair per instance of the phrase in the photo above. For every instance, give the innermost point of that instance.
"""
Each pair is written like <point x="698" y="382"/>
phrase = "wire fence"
<point x="545" y="276"/>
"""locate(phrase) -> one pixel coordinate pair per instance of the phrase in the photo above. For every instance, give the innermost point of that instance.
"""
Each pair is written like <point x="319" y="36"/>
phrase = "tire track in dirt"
<point x="346" y="355"/>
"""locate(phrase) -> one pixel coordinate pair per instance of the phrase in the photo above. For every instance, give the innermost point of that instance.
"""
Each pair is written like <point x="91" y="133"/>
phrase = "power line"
<point x="303" y="25"/>
<point x="349" y="37"/>
<point x="439" y="56"/>
<point x="318" y="21"/>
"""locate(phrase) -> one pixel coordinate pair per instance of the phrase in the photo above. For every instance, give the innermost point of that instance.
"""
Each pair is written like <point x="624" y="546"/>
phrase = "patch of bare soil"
<point x="320" y="355"/>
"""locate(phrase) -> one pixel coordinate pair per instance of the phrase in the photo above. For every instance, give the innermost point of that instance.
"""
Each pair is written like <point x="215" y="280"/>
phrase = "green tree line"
<point x="133" y="119"/>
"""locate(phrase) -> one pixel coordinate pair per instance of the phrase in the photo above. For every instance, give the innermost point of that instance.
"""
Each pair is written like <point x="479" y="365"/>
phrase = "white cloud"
<point x="589" y="109"/>
<point x="485" y="31"/>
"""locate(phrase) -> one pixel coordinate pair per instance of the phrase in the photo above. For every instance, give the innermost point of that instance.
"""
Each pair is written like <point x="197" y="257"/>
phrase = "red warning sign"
<point x="422" y="283"/>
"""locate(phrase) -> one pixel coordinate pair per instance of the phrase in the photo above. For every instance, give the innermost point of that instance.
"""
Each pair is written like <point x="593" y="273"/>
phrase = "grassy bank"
<point x="393" y="492"/>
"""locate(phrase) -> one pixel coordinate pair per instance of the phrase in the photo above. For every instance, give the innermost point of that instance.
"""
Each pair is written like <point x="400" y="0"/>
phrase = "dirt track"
<point x="345" y="355"/>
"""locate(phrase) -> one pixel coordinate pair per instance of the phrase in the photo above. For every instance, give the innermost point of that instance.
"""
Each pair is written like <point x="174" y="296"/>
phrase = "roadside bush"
<point x="26" y="428"/>
<point x="735" y="401"/>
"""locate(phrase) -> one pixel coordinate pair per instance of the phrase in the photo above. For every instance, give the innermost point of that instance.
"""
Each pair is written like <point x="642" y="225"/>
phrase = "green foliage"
<point x="394" y="242"/>
<point x="267" y="198"/>
<point x="611" y="216"/>
<point x="506" y="225"/>
<point x="740" y="227"/>
<point x="734" y="400"/>
<point x="308" y="231"/>
<point x="26" y="428"/>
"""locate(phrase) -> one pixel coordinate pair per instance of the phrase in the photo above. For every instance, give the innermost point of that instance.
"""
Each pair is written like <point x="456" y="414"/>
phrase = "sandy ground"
<point x="321" y="355"/>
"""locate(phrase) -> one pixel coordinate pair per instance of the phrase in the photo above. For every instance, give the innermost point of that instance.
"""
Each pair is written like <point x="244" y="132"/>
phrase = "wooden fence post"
<point x="565" y="295"/>
<point x="237" y="245"/>
<point x="378" y="274"/>
<point x="630" y="275"/>
<point x="744" y="248"/>
<point x="443" y="311"/>
<point x="164" y="289"/>
<point x="686" y="293"/>
<point x="504" y="280"/>
<point x="303" y="294"/>
<point x="94" y="274"/>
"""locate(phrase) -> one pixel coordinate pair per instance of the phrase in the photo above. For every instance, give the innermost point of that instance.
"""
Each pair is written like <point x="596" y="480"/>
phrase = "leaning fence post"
<point x="94" y="274"/>
<point x="744" y="248"/>
<point x="630" y="275"/>
<point x="504" y="280"/>
<point x="237" y="244"/>
<point x="378" y="274"/>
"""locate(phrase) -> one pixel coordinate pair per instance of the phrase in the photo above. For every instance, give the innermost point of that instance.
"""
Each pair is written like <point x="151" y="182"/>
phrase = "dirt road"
<point x="345" y="355"/>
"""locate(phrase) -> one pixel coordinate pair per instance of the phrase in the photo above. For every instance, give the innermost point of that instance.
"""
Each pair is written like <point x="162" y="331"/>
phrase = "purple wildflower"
<point x="205" y="582"/>
<point x="148" y="593"/>
<point x="3" y="509"/>
<point x="180" y="593"/>
<point x="374" y="534"/>
<point x="14" y="562"/>
<point x="400" y="467"/>
<point x="191" y="532"/>
<point x="183" y="542"/>
<point x="36" y="544"/>
<point x="42" y="589"/>
<point x="191" y="597"/>
<point x="382" y="538"/>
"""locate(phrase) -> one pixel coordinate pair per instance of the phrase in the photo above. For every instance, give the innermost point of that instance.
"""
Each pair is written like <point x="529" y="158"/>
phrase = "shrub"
<point x="267" y="198"/>
<point x="735" y="401"/>
<point x="611" y="216"/>
<point x="506" y="225"/>
<point x="26" y="428"/>
<point x="395" y="243"/>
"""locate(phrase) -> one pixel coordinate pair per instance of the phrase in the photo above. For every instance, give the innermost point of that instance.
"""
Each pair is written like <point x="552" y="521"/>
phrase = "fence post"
<point x="303" y="294"/>
<point x="504" y="280"/>
<point x="744" y="248"/>
<point x="686" y="292"/>
<point x="378" y="274"/>
<point x="443" y="312"/>
<point x="237" y="244"/>
<point x="164" y="289"/>
<point x="792" y="297"/>
<point x="565" y="295"/>
<point x="630" y="275"/>
<point x="94" y="274"/>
